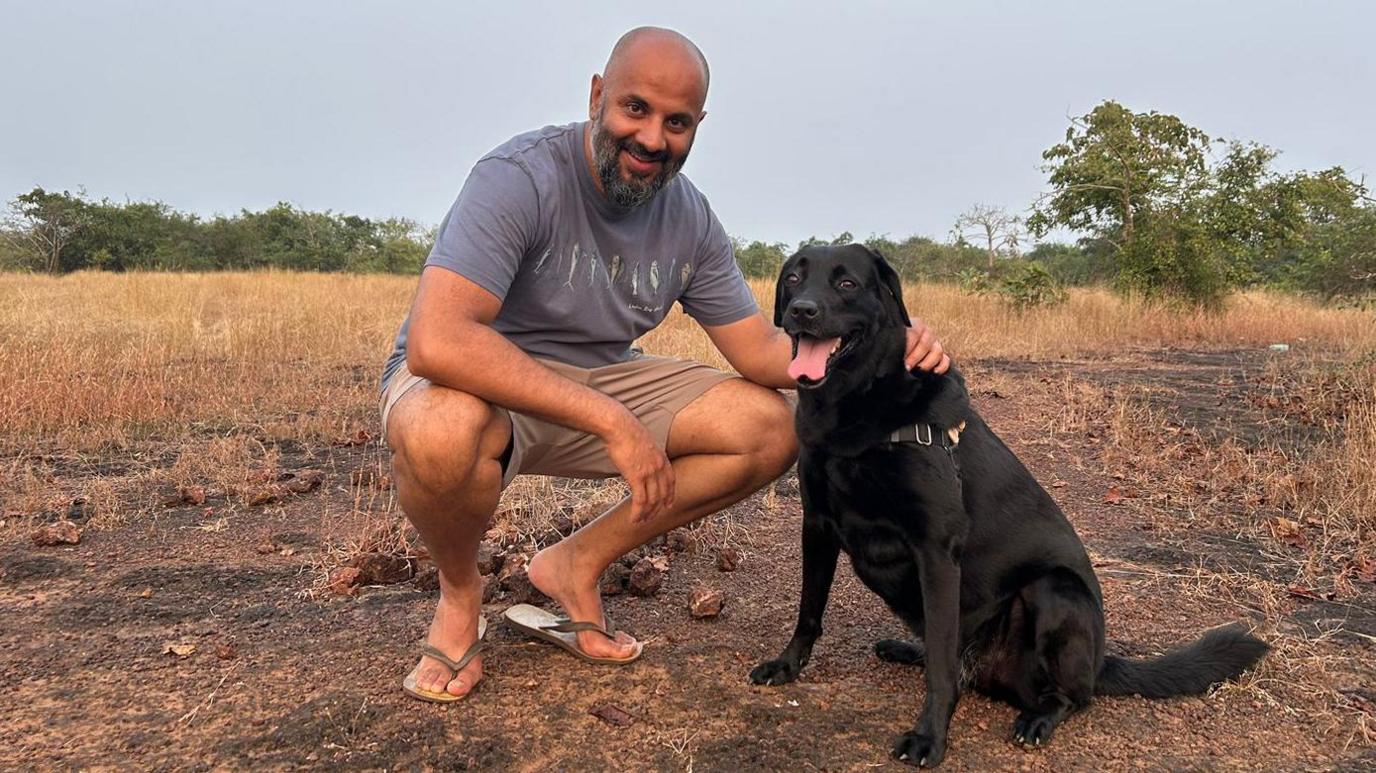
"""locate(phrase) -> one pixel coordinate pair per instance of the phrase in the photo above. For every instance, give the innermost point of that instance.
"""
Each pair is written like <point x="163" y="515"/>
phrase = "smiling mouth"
<point x="642" y="164"/>
<point x="812" y="359"/>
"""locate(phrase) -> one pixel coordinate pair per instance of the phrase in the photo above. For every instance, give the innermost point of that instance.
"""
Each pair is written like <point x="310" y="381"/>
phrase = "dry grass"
<point x="124" y="381"/>
<point x="94" y="361"/>
<point x="1310" y="495"/>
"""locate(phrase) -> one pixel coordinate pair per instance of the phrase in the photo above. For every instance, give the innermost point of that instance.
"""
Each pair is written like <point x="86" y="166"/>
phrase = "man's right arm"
<point x="451" y="343"/>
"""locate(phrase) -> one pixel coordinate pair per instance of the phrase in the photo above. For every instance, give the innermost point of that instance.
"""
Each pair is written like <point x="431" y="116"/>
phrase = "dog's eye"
<point x="847" y="284"/>
<point x="791" y="279"/>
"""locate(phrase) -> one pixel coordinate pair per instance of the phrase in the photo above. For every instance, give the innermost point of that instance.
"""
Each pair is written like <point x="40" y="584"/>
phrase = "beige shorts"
<point x="655" y="389"/>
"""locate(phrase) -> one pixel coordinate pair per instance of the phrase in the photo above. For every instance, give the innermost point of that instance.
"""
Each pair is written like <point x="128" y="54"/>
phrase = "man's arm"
<point x="761" y="352"/>
<point x="452" y="344"/>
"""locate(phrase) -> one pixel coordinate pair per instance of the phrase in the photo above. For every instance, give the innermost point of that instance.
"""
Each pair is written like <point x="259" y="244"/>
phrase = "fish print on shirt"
<point x="650" y="284"/>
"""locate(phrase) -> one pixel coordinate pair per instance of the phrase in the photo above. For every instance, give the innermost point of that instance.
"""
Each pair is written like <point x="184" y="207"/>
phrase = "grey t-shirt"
<point x="579" y="279"/>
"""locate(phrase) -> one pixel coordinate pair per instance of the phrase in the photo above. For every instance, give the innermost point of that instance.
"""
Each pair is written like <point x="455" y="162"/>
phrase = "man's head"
<point x="645" y="108"/>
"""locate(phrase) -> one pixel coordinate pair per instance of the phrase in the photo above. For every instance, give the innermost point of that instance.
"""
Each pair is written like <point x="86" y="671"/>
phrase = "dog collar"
<point x="922" y="435"/>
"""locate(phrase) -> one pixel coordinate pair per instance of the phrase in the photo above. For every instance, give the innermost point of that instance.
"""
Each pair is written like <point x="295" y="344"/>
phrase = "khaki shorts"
<point x="655" y="389"/>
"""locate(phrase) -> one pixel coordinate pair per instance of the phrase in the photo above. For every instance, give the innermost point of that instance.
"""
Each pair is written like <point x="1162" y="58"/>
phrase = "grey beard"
<point x="625" y="194"/>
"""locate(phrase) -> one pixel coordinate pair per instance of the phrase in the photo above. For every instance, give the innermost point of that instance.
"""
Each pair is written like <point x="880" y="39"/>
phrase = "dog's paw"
<point x="774" y="672"/>
<point x="919" y="749"/>
<point x="1033" y="729"/>
<point x="896" y="651"/>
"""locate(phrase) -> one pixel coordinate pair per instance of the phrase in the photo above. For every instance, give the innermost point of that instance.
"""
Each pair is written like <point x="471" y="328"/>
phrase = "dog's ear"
<point x="888" y="278"/>
<point x="780" y="302"/>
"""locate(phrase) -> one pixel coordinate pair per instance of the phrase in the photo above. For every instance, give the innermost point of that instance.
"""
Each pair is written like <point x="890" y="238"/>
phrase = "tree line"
<point x="1157" y="209"/>
<point x="63" y="232"/>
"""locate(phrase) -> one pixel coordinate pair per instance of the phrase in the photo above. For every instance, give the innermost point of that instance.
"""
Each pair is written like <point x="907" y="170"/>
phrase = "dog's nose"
<point x="801" y="308"/>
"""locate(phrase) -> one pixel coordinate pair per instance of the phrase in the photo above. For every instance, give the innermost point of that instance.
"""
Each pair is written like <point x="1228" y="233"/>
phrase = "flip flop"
<point x="408" y="685"/>
<point x="563" y="632"/>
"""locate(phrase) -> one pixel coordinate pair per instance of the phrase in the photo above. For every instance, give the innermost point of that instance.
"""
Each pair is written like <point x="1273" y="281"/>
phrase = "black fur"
<point x="960" y="541"/>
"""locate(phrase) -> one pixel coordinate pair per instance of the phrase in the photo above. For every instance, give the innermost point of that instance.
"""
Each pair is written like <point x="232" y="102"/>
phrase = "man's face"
<point x="643" y="122"/>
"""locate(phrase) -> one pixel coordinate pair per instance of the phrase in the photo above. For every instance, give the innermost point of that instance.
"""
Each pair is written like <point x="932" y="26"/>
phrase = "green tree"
<point x="1115" y="165"/>
<point x="46" y="223"/>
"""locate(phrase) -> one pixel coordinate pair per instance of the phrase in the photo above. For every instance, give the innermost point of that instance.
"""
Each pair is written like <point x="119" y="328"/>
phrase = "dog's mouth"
<point x="812" y="358"/>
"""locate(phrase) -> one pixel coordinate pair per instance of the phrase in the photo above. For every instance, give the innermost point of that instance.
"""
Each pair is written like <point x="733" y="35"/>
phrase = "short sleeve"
<point x="490" y="227"/>
<point x="717" y="293"/>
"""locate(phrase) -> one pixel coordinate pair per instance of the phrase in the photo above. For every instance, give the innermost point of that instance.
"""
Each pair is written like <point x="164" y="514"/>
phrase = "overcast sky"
<point x="877" y="118"/>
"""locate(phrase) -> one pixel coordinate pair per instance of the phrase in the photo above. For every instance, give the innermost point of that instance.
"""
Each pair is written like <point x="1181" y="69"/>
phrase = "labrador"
<point x="945" y="524"/>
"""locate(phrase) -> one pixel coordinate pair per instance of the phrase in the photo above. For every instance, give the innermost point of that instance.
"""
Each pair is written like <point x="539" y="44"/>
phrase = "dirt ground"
<point x="269" y="673"/>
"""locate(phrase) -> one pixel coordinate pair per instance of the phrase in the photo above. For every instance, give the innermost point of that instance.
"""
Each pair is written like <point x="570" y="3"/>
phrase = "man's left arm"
<point x="761" y="352"/>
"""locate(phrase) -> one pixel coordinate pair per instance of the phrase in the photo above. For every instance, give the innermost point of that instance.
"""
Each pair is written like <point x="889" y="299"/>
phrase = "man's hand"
<point x="924" y="351"/>
<point x="643" y="465"/>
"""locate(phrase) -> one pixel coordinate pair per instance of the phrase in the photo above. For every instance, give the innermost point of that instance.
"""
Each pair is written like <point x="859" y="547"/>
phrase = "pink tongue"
<point x="812" y="358"/>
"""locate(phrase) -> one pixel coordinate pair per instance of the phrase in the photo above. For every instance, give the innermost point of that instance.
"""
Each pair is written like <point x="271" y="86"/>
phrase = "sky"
<point x="878" y="118"/>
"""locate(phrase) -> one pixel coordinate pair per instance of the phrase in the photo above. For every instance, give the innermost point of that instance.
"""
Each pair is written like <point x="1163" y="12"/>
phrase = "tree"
<point x="1116" y="164"/>
<point x="999" y="230"/>
<point x="47" y="223"/>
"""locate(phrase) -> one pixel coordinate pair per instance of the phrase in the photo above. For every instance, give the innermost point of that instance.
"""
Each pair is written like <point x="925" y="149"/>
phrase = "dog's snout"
<point x="803" y="309"/>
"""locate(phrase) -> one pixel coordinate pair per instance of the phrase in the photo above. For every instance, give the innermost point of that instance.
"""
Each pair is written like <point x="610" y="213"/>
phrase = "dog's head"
<point x="843" y="308"/>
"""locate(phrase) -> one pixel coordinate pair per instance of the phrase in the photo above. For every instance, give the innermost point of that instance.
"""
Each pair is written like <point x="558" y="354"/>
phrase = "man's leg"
<point x="447" y="464"/>
<point x="725" y="445"/>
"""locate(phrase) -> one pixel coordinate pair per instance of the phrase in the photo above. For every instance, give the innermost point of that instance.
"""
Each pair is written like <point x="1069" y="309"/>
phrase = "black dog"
<point x="945" y="524"/>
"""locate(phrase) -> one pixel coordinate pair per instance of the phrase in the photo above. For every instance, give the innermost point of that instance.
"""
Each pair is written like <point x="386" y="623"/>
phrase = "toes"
<point x="896" y="651"/>
<point x="919" y="749"/>
<point x="773" y="672"/>
<point x="1031" y="730"/>
<point x="429" y="678"/>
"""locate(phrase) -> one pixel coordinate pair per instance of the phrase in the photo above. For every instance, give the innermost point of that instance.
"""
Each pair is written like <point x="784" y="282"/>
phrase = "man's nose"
<point x="651" y="136"/>
<point x="803" y="309"/>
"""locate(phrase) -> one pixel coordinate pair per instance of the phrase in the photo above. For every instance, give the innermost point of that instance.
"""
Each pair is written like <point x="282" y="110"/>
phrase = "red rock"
<point x="264" y="496"/>
<point x="515" y="580"/>
<point x="305" y="481"/>
<point x="706" y="602"/>
<point x="613" y="581"/>
<point x="728" y="559"/>
<point x="613" y="715"/>
<point x="490" y="557"/>
<point x="60" y="533"/>
<point x="428" y="579"/>
<point x="381" y="569"/>
<point x="646" y="578"/>
<point x="344" y="580"/>
<point x="681" y="541"/>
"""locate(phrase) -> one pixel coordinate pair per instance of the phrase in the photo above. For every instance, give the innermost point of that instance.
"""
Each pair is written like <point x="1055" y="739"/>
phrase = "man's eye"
<point x="791" y="279"/>
<point x="846" y="284"/>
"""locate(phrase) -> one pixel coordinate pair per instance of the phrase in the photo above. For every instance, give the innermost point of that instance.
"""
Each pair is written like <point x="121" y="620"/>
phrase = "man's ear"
<point x="780" y="302"/>
<point x="888" y="278"/>
<point x="594" y="96"/>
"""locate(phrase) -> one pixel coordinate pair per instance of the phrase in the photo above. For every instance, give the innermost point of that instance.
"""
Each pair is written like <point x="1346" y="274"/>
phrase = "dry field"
<point x="211" y="437"/>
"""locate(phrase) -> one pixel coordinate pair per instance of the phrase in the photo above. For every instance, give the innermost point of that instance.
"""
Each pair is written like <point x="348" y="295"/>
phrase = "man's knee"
<point x="742" y="418"/>
<point x="440" y="436"/>
<point x="776" y="441"/>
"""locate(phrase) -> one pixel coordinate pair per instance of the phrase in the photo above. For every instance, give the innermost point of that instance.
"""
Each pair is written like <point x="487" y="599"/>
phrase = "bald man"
<point x="565" y="245"/>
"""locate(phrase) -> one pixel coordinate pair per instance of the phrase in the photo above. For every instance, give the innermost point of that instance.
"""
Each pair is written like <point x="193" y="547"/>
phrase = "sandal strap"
<point x="455" y="666"/>
<point x="565" y="625"/>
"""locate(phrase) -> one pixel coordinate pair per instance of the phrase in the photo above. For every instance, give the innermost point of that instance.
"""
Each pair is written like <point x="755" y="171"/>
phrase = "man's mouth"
<point x="639" y="164"/>
<point x="812" y="359"/>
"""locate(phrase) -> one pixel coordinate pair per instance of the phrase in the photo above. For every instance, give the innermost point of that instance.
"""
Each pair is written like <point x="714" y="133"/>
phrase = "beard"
<point x="629" y="193"/>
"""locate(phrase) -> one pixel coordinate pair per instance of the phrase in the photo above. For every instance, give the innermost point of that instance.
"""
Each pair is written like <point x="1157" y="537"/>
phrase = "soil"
<point x="283" y="676"/>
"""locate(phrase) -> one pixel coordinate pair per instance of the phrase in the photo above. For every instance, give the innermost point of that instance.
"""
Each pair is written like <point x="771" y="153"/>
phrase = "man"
<point x="565" y="245"/>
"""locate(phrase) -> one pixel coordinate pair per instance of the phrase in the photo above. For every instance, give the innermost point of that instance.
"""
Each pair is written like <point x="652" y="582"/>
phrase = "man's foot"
<point x="453" y="630"/>
<point x="553" y="574"/>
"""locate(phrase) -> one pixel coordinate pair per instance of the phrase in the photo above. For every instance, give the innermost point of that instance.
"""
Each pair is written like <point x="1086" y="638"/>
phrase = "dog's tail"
<point x="1220" y="654"/>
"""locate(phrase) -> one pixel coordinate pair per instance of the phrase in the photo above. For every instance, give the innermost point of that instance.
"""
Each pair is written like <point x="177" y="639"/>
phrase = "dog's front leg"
<point x="820" y="549"/>
<point x="925" y="744"/>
